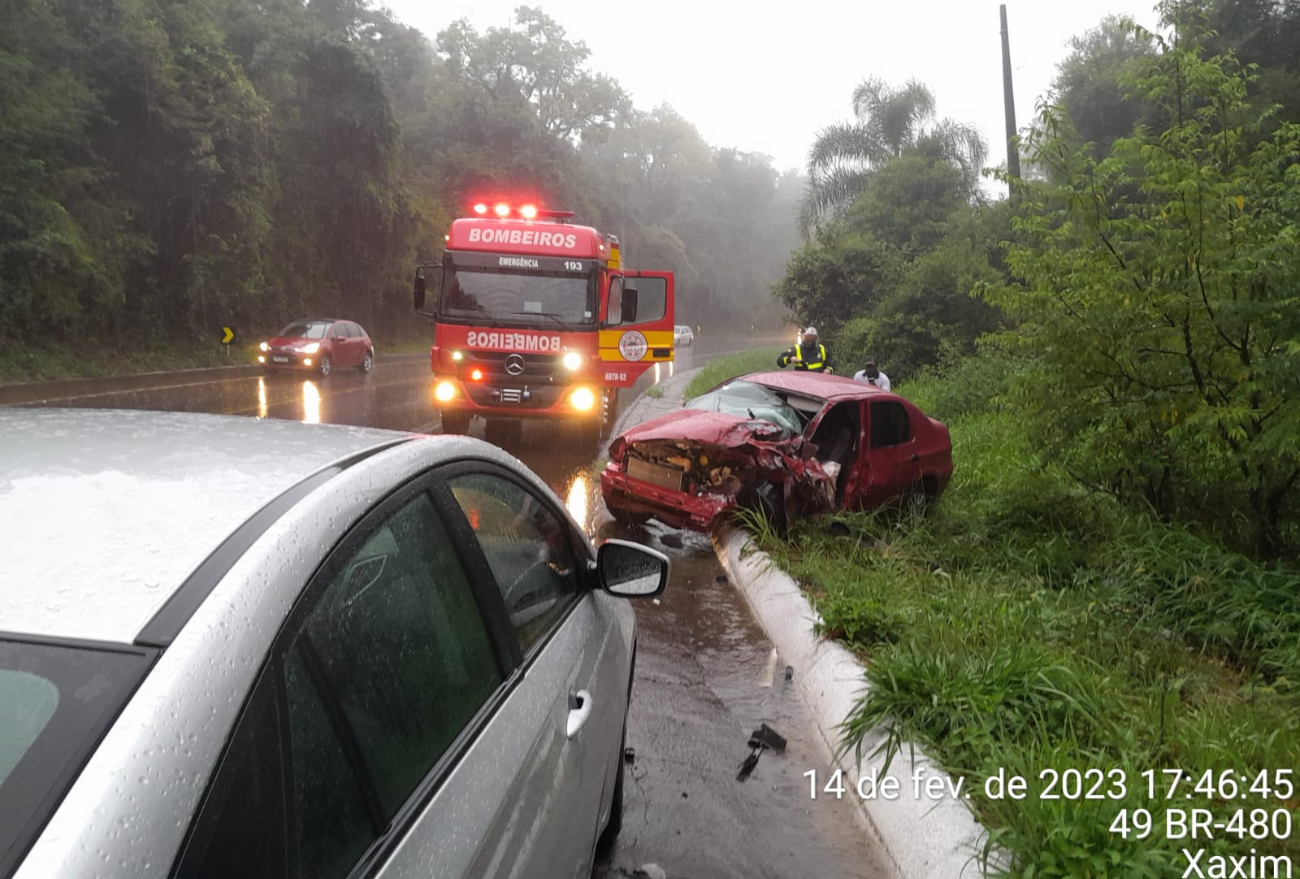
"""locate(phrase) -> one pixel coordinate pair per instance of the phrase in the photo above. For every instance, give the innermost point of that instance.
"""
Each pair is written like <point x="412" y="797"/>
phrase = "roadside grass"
<point x="23" y="361"/>
<point x="36" y="362"/>
<point x="717" y="371"/>
<point x="1026" y="625"/>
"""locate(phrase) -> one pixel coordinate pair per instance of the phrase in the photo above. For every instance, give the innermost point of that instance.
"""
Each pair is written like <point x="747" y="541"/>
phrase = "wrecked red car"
<point x="782" y="443"/>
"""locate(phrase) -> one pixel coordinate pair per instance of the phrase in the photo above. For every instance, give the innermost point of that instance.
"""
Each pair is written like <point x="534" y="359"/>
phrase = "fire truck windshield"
<point x="472" y="292"/>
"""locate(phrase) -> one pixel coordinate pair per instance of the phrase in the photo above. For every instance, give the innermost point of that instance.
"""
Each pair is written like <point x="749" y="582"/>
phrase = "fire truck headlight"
<point x="572" y="360"/>
<point x="457" y="356"/>
<point x="476" y="375"/>
<point x="264" y="347"/>
<point x="583" y="399"/>
<point x="444" y="392"/>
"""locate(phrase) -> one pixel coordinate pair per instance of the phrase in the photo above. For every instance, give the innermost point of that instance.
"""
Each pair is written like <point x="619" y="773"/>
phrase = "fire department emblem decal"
<point x="632" y="346"/>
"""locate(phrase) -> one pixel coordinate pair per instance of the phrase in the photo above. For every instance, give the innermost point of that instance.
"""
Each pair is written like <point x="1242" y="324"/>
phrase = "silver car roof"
<point x="104" y="514"/>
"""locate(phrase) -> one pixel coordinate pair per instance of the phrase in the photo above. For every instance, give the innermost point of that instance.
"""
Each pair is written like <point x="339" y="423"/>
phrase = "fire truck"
<point x="536" y="317"/>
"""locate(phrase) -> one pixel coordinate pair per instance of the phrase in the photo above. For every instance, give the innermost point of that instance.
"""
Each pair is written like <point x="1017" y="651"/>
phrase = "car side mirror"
<point x="631" y="570"/>
<point x="628" y="307"/>
<point x="419" y="289"/>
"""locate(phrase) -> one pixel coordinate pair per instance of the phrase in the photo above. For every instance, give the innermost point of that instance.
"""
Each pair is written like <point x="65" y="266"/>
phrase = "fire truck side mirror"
<point x="421" y="286"/>
<point x="628" y="307"/>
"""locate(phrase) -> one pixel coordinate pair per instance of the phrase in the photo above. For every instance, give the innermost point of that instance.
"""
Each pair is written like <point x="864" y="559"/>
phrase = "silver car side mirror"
<point x="631" y="570"/>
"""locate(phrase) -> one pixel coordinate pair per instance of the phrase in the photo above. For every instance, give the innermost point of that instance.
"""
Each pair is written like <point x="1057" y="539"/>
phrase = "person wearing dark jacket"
<point x="808" y="356"/>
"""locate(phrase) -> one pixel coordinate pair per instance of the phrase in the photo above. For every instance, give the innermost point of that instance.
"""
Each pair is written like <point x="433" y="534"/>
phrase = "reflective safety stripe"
<point x="814" y="364"/>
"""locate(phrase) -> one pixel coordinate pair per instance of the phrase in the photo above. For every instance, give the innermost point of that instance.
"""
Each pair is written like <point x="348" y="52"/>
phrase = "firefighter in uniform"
<point x="808" y="356"/>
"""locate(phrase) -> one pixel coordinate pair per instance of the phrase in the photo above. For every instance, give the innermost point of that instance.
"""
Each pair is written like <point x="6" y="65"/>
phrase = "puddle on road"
<point x="705" y="680"/>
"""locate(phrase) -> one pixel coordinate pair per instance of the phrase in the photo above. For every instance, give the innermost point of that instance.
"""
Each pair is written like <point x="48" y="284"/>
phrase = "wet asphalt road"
<point x="706" y="675"/>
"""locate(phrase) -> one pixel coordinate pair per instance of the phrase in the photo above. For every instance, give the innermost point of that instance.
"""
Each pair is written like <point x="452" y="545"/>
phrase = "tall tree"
<point x="1087" y="83"/>
<point x="1165" y="323"/>
<point x="888" y="122"/>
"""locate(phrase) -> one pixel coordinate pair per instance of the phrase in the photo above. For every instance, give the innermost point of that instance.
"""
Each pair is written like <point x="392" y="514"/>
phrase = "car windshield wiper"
<point x="554" y="317"/>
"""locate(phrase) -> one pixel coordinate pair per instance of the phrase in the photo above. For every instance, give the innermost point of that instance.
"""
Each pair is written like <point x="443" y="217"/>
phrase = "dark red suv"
<point x="321" y="344"/>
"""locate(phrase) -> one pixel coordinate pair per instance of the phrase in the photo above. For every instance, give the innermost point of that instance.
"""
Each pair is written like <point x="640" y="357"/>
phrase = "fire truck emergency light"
<point x="526" y="211"/>
<point x="476" y="375"/>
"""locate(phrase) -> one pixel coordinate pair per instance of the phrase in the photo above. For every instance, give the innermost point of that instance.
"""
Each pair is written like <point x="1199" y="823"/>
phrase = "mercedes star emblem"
<point x="515" y="364"/>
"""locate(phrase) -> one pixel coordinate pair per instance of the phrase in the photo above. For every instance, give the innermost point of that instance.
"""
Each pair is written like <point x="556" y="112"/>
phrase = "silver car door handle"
<point x="579" y="711"/>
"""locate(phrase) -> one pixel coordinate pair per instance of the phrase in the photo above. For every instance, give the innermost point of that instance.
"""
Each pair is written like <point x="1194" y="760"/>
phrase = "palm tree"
<point x="889" y="122"/>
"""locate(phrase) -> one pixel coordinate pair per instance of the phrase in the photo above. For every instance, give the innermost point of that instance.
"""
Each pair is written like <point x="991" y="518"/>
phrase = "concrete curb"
<point x="924" y="838"/>
<point x="927" y="838"/>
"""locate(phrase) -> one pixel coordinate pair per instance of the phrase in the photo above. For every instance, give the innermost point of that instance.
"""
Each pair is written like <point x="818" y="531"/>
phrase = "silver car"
<point x="257" y="649"/>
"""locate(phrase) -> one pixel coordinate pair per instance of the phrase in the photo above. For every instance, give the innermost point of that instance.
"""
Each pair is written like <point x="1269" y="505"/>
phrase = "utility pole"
<point x="1013" y="154"/>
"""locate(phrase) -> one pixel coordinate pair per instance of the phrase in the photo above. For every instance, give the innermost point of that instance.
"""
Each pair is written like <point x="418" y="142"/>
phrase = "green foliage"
<point x="1160" y="297"/>
<point x="890" y="123"/>
<point x="894" y="278"/>
<point x="1088" y="86"/>
<point x="844" y="273"/>
<point x="167" y="168"/>
<point x="1029" y="624"/>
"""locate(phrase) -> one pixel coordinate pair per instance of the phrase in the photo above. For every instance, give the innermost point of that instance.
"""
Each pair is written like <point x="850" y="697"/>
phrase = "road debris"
<point x="760" y="740"/>
<point x="766" y="737"/>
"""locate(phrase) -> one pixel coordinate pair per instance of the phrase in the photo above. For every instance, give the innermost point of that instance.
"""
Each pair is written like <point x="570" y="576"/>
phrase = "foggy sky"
<point x="767" y="81"/>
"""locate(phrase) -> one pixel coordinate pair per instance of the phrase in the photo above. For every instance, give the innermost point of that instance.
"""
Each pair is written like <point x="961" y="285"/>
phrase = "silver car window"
<point x="527" y="547"/>
<point x="366" y="689"/>
<point x="55" y="702"/>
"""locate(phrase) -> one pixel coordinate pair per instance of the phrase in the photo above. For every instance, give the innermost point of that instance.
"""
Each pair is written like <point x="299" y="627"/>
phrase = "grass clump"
<point x="718" y="371"/>
<point x="1029" y="625"/>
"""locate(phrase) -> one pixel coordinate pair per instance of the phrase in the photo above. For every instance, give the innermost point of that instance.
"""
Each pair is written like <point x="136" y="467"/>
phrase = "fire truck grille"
<point x="536" y="367"/>
<point x="511" y="395"/>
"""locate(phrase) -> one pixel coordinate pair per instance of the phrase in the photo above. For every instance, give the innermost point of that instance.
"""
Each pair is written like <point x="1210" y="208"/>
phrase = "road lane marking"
<point x="770" y="672"/>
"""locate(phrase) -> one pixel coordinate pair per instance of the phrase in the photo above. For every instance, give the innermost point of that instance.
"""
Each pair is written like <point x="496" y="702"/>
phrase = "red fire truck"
<point x="535" y="317"/>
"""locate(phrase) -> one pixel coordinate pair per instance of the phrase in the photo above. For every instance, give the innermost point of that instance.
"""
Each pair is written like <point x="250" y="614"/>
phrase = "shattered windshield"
<point x="749" y="400"/>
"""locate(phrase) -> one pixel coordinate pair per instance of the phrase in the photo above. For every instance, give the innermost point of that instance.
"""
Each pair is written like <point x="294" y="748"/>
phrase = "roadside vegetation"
<point x="1112" y="580"/>
<point x="718" y="371"/>
<point x="39" y="361"/>
<point x="169" y="169"/>
<point x="1028" y="623"/>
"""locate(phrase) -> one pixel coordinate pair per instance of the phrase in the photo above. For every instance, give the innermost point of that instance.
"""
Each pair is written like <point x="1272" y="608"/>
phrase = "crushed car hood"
<point x="710" y="428"/>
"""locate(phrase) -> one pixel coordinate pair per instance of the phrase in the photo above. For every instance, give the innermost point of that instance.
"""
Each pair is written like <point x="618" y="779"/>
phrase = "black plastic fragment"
<point x="748" y="766"/>
<point x="766" y="737"/>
